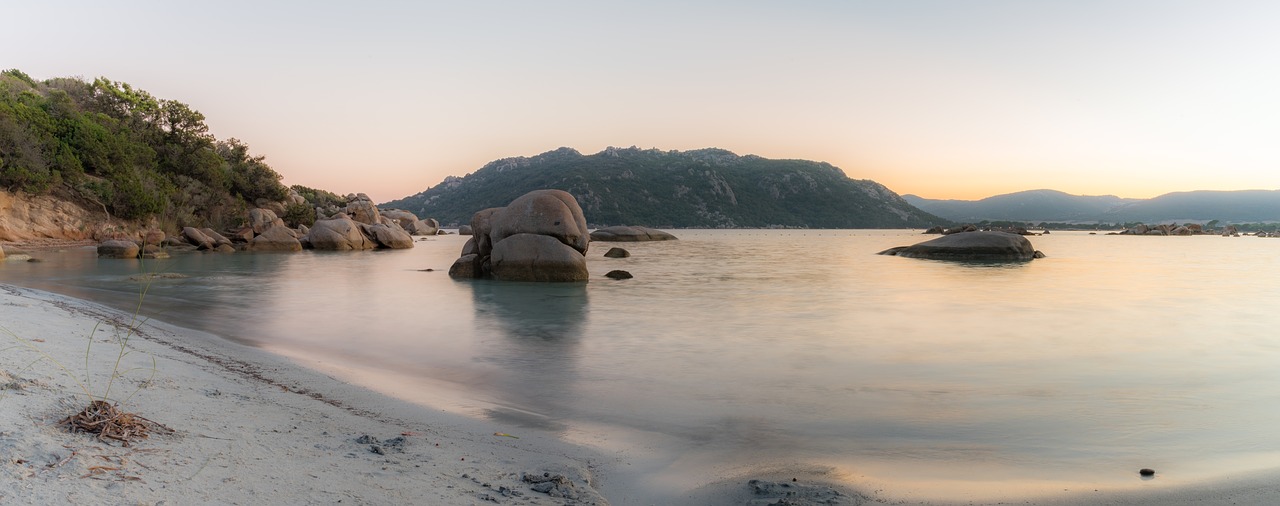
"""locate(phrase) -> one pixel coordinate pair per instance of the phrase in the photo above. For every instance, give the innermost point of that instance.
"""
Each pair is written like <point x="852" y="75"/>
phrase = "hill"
<point x="124" y="154"/>
<point x="1243" y="206"/>
<point x="1032" y="205"/>
<point x="706" y="188"/>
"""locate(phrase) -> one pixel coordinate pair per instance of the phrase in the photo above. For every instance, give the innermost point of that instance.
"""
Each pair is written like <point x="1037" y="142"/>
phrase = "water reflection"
<point x="533" y="332"/>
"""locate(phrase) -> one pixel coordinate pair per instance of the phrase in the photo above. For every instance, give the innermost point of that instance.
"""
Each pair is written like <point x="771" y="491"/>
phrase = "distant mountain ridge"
<point x="1242" y="206"/>
<point x="705" y="188"/>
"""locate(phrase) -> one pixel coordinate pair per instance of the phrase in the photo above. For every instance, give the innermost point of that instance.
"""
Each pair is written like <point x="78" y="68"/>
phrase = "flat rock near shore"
<point x="971" y="246"/>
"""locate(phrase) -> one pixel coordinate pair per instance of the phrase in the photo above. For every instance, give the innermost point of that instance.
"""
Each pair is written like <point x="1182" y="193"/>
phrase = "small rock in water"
<point x="618" y="275"/>
<point x="617" y="253"/>
<point x="1147" y="472"/>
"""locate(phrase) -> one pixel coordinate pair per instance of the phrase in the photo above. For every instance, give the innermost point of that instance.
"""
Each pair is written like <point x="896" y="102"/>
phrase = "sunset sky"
<point x="943" y="99"/>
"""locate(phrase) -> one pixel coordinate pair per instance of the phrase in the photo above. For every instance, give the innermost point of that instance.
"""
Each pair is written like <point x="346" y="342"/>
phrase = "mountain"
<point x="1243" y="206"/>
<point x="705" y="188"/>
<point x="1033" y="205"/>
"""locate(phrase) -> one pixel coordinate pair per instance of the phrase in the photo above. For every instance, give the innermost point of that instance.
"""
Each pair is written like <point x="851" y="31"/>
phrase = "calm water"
<point x="737" y="348"/>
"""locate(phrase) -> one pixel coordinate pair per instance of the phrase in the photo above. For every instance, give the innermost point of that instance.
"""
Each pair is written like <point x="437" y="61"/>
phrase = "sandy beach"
<point x="247" y="427"/>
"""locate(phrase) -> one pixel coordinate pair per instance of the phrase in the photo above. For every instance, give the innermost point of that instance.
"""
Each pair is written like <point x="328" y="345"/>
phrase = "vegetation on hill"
<point x="707" y="188"/>
<point x="1236" y="207"/>
<point x="118" y="148"/>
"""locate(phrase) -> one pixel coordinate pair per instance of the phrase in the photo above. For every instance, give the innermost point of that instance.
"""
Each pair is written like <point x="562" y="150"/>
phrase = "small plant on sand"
<point x="103" y="415"/>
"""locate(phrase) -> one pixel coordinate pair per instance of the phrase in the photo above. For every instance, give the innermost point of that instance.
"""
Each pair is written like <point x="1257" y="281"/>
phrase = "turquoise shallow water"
<point x="732" y="349"/>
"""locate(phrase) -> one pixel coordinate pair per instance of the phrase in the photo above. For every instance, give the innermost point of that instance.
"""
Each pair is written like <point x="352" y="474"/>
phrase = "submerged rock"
<point x="971" y="246"/>
<point x="617" y="253"/>
<point x="618" y="275"/>
<point x="630" y="234"/>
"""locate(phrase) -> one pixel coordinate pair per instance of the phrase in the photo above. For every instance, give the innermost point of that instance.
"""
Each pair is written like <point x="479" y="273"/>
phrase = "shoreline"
<point x="249" y="427"/>
<point x="253" y="427"/>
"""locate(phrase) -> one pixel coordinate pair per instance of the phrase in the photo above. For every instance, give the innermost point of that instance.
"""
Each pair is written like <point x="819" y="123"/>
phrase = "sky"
<point x="942" y="99"/>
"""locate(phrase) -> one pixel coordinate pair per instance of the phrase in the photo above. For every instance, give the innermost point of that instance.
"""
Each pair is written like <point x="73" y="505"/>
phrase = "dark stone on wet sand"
<point x="1147" y="472"/>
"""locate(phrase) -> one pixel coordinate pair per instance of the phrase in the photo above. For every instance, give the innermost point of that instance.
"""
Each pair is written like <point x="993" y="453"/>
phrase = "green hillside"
<point x="110" y="146"/>
<point x="706" y="188"/>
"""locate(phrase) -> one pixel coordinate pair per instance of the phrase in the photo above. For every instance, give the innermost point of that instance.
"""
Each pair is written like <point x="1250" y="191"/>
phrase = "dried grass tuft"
<point x="108" y="422"/>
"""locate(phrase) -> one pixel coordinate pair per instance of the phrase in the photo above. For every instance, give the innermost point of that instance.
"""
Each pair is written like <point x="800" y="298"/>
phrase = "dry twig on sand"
<point x="108" y="422"/>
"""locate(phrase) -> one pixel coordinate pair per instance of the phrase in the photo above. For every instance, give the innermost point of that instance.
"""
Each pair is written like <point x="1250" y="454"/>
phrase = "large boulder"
<point x="218" y="239"/>
<point x="361" y="209"/>
<point x="630" y="234"/>
<point x="404" y="218"/>
<point x="541" y="236"/>
<point x="428" y="226"/>
<point x="536" y="257"/>
<point x="262" y="219"/>
<point x="466" y="266"/>
<point x="387" y="236"/>
<point x="552" y="213"/>
<point x="197" y="238"/>
<point x="153" y="237"/>
<point x="118" y="249"/>
<point x="971" y="246"/>
<point x="464" y="230"/>
<point x="338" y="234"/>
<point x="480" y="225"/>
<point x="277" y="238"/>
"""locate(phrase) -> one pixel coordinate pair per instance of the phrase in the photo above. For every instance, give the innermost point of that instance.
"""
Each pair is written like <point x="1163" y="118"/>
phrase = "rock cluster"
<point x="1164" y="229"/>
<point x="972" y="247"/>
<point x="540" y="236"/>
<point x="358" y="226"/>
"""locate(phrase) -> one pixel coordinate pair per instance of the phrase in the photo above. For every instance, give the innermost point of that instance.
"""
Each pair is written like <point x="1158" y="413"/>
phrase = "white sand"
<point x="252" y="428"/>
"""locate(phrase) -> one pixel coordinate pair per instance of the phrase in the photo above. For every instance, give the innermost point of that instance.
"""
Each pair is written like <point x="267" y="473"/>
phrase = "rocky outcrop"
<point x="28" y="217"/>
<point x="464" y="230"/>
<point x="540" y="236"/>
<point x="630" y="234"/>
<point x="1163" y="229"/>
<point x="118" y="249"/>
<point x="971" y="246"/>
<point x="410" y="223"/>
